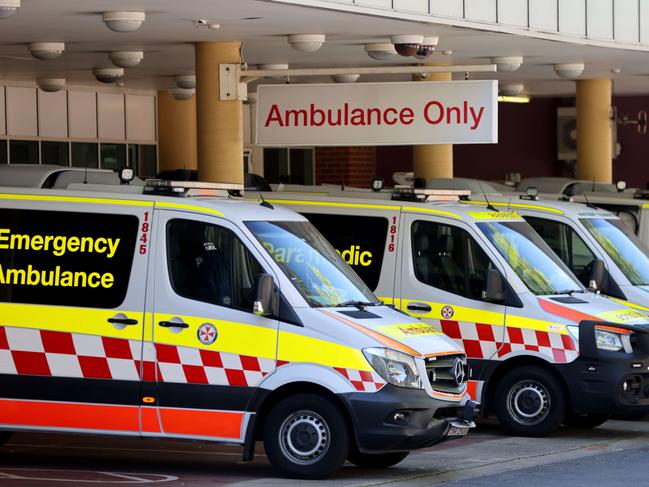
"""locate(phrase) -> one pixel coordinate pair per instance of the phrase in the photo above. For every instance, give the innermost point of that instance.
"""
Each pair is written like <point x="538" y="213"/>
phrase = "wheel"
<point x="529" y="401"/>
<point x="4" y="437"/>
<point x="376" y="460"/>
<point x="305" y="436"/>
<point x="585" y="421"/>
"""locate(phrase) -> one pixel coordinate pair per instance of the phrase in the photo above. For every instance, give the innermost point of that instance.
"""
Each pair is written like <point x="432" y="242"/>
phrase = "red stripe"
<point x="472" y="389"/>
<point x="65" y="415"/>
<point x="150" y="423"/>
<point x="565" y="312"/>
<point x="220" y="424"/>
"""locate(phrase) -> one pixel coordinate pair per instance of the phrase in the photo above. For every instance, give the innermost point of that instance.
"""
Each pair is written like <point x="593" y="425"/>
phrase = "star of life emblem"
<point x="207" y="333"/>
<point x="447" y="312"/>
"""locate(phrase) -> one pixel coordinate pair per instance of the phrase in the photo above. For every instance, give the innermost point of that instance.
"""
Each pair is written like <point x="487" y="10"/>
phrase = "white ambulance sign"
<point x="437" y="112"/>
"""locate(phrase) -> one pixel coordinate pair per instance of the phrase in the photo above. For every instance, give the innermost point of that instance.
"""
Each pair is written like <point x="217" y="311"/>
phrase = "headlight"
<point x="608" y="340"/>
<point x="396" y="368"/>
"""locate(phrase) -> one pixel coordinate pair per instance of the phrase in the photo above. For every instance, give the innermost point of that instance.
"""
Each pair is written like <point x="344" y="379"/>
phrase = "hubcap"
<point x="528" y="402"/>
<point x="304" y="437"/>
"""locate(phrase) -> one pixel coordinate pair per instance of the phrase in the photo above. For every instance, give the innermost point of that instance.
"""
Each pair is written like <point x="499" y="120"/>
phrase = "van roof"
<point x="557" y="207"/>
<point x="52" y="176"/>
<point x="229" y="207"/>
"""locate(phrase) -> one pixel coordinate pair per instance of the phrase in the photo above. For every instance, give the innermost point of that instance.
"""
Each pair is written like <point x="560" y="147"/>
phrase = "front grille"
<point x="448" y="373"/>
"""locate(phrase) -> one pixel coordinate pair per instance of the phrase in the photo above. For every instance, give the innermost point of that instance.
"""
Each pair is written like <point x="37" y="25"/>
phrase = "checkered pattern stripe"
<point x="362" y="380"/>
<point x="61" y="354"/>
<point x="483" y="341"/>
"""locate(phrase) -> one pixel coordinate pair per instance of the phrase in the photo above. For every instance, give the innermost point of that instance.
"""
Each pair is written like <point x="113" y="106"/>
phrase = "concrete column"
<point x="176" y="132"/>
<point x="219" y="123"/>
<point x="433" y="160"/>
<point x="594" y="145"/>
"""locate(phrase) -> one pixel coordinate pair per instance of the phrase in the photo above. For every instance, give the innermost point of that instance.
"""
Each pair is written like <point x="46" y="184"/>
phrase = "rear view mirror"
<point x="494" y="286"/>
<point x="265" y="303"/>
<point x="596" y="275"/>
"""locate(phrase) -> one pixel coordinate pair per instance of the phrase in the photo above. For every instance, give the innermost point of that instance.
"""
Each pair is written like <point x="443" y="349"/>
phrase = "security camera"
<point x="407" y="45"/>
<point x="427" y="47"/>
<point x="108" y="75"/>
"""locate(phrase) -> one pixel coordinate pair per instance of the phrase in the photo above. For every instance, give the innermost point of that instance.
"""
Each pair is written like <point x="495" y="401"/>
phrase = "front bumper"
<point x="597" y="378"/>
<point x="426" y="422"/>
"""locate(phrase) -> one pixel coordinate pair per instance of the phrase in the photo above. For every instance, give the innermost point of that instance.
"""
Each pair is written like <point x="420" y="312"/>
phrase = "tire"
<point x="376" y="460"/>
<point x="585" y="421"/>
<point x="306" y="437"/>
<point x="4" y="437"/>
<point x="529" y="401"/>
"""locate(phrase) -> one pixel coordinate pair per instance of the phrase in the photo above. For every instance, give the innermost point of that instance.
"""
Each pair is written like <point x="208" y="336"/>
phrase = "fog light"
<point x="625" y="386"/>
<point x="401" y="417"/>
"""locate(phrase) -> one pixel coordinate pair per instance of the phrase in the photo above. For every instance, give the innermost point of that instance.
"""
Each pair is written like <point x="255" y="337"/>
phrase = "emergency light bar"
<point x="408" y="193"/>
<point x="191" y="188"/>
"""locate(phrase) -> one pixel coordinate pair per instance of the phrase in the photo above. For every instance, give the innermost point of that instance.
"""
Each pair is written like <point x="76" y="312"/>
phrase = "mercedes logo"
<point x="458" y="371"/>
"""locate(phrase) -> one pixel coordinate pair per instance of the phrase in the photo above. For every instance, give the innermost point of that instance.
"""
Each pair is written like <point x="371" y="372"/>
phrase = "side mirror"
<point x="494" y="286"/>
<point x="265" y="296"/>
<point x="596" y="275"/>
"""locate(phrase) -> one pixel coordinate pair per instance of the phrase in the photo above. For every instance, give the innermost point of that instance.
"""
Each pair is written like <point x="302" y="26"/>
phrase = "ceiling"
<point x="168" y="35"/>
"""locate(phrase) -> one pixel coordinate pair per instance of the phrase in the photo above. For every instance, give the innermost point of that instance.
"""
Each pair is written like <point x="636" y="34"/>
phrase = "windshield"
<point x="530" y="257"/>
<point x="622" y="247"/>
<point x="311" y="263"/>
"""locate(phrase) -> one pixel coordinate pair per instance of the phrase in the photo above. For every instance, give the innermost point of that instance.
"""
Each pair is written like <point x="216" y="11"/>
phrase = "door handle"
<point x="173" y="324"/>
<point x="419" y="307"/>
<point x="120" y="319"/>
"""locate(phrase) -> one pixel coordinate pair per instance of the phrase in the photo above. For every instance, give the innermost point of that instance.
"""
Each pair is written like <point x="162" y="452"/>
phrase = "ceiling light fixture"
<point x="8" y="8"/>
<point x="182" y="93"/>
<point x="507" y="63"/>
<point x="51" y="85"/>
<point x="427" y="47"/>
<point x="345" y="78"/>
<point x="569" y="70"/>
<point x="123" y="21"/>
<point x="273" y="67"/>
<point x="46" y="50"/>
<point x="108" y="75"/>
<point x="380" y="51"/>
<point x="514" y="89"/>
<point x="306" y="42"/>
<point x="186" y="81"/>
<point x="407" y="45"/>
<point x="126" y="59"/>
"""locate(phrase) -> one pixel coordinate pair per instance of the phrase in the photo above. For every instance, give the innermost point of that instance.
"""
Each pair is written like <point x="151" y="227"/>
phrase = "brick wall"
<point x="356" y="166"/>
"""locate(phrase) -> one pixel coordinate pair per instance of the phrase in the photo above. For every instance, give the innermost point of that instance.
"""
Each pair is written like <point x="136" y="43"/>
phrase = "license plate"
<point x="457" y="429"/>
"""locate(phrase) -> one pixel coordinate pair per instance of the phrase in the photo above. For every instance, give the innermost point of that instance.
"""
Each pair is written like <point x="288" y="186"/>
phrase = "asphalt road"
<point x="616" y="453"/>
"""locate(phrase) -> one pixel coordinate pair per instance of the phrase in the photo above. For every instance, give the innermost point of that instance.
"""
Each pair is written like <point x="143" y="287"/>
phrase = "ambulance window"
<point x="360" y="241"/>
<point x="446" y="257"/>
<point x="66" y="258"/>
<point x="209" y="263"/>
<point x="565" y="242"/>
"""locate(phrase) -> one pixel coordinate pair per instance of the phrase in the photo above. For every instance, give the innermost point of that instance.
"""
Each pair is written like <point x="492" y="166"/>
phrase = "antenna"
<point x="509" y="204"/>
<point x="265" y="203"/>
<point x="588" y="203"/>
<point x="489" y="205"/>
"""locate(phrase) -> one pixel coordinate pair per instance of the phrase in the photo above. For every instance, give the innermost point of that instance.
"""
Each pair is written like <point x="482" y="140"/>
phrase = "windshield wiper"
<point x="570" y="292"/>
<point x="361" y="305"/>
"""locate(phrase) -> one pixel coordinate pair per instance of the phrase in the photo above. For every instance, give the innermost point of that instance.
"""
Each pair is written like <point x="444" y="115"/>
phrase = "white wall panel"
<point x="572" y="17"/>
<point x="447" y="8"/>
<point x="482" y="10"/>
<point x="512" y="12"/>
<point x="110" y="115"/>
<point x="82" y="114"/>
<point x="420" y="6"/>
<point x="52" y="114"/>
<point x="626" y="20"/>
<point x="600" y="19"/>
<point x="543" y="15"/>
<point x="21" y="111"/>
<point x="644" y="21"/>
<point x="3" y="127"/>
<point x="375" y="3"/>
<point x="140" y="117"/>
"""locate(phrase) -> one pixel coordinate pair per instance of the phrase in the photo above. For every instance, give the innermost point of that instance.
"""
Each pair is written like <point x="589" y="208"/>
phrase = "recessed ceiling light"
<point x="126" y="59"/>
<point x="186" y="81"/>
<point x="46" y="50"/>
<point x="51" y="85"/>
<point x="507" y="63"/>
<point x="380" y="51"/>
<point x="8" y="8"/>
<point x="108" y="75"/>
<point x="123" y="21"/>
<point x="306" y="42"/>
<point x="273" y="67"/>
<point x="569" y="70"/>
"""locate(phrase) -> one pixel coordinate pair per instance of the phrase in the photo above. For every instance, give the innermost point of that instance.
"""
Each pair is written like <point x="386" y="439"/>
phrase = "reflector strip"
<point x="192" y="422"/>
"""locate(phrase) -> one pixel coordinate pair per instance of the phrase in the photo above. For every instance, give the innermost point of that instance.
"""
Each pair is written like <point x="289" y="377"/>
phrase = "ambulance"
<point x="176" y="311"/>
<point x="543" y="350"/>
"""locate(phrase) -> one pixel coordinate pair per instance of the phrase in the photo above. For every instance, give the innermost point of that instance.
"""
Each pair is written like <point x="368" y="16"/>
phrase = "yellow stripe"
<point x="75" y="199"/>
<point x="494" y="215"/>
<point x="90" y="321"/>
<point x="629" y="304"/>
<point x="474" y="315"/>
<point x="182" y="206"/>
<point x="366" y="206"/>
<point x="517" y="205"/>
